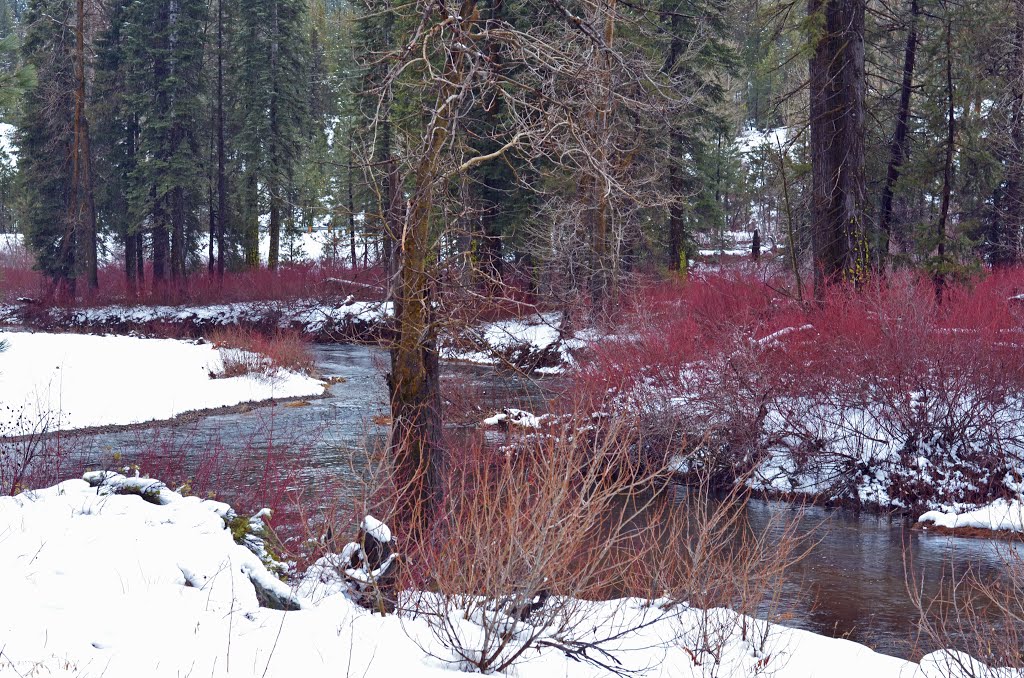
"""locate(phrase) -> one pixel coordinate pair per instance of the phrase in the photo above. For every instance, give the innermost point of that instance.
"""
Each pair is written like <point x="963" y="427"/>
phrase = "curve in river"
<point x="851" y="585"/>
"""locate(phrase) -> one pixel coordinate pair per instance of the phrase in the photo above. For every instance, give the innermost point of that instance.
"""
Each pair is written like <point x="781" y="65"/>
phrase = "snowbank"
<point x="322" y="244"/>
<point x="70" y="381"/>
<point x="1000" y="515"/>
<point x="510" y="416"/>
<point x="751" y="141"/>
<point x="102" y="583"/>
<point x="533" y="343"/>
<point x="346" y="320"/>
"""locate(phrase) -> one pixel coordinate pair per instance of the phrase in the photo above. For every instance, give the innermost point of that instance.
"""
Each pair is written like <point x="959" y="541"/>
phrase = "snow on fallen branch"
<point x="773" y="338"/>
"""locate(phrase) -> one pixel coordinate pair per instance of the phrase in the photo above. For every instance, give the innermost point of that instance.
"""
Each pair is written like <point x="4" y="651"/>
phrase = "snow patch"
<point x="52" y="382"/>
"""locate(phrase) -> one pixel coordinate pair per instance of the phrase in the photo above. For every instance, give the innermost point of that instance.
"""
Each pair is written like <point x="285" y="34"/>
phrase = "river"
<point x="852" y="584"/>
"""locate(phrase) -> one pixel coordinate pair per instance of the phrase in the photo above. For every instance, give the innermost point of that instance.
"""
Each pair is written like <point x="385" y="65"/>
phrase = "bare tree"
<point x="559" y="85"/>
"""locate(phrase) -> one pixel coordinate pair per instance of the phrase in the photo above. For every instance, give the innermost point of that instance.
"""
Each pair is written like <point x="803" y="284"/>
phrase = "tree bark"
<point x="947" y="170"/>
<point x="602" y="279"/>
<point x="272" y="184"/>
<point x="837" y="88"/>
<point x="83" y="207"/>
<point x="676" y="184"/>
<point x="352" y="207"/>
<point x="414" y="380"/>
<point x="1004" y="242"/>
<point x="898" y="147"/>
<point x="222" y="182"/>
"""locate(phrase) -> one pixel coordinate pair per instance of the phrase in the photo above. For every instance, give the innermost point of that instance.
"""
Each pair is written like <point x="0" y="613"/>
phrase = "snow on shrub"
<point x="880" y="396"/>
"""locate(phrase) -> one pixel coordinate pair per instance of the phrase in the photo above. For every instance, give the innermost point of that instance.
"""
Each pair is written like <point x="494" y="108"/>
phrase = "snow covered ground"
<point x="103" y="583"/>
<point x="1002" y="515"/>
<point x="11" y="243"/>
<point x="70" y="381"/>
<point x="320" y="245"/>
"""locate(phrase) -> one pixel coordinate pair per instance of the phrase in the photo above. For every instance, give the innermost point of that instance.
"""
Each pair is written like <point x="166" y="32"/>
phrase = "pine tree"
<point x="117" y="142"/>
<point x="272" y="108"/>
<point x="696" y="56"/>
<point x="164" y="59"/>
<point x="46" y="137"/>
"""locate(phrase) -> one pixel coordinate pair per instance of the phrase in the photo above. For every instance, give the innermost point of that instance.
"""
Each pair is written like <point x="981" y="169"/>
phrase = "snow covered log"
<point x="371" y="567"/>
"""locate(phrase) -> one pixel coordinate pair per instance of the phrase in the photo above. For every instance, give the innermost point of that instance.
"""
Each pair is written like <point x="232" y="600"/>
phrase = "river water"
<point x="851" y="585"/>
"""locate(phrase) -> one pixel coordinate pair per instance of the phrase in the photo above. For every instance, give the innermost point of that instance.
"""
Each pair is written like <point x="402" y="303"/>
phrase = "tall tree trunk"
<point x="898" y="147"/>
<point x="1004" y="243"/>
<point x="352" y="206"/>
<point x="131" y="244"/>
<point x="602" y="278"/>
<point x="252" y="225"/>
<point x="211" y="208"/>
<point x="222" y="181"/>
<point x="489" y="192"/>
<point x="947" y="169"/>
<point x="414" y="380"/>
<point x="178" y="218"/>
<point x="837" y="89"/>
<point x="273" y="188"/>
<point x="83" y="207"/>
<point x="677" y="255"/>
<point x="160" y="250"/>
<point x="676" y="181"/>
<point x="140" y="260"/>
<point x="133" y="241"/>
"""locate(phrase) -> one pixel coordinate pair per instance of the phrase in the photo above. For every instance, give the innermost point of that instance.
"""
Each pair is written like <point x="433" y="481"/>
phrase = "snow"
<point x="71" y="381"/>
<point x="524" y="342"/>
<point x="773" y="338"/>
<point x="312" y="317"/>
<point x="99" y="583"/>
<point x="11" y="243"/>
<point x="860" y="441"/>
<point x="754" y="140"/>
<point x="376" y="529"/>
<point x="322" y="244"/>
<point x="8" y="150"/>
<point x="999" y="515"/>
<point x="728" y="252"/>
<point x="510" y="416"/>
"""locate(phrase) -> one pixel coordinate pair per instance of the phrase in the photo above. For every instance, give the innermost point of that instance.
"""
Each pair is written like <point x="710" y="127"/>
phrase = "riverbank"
<point x="180" y="595"/>
<point x="62" y="382"/>
<point x="531" y="343"/>
<point x="875" y="399"/>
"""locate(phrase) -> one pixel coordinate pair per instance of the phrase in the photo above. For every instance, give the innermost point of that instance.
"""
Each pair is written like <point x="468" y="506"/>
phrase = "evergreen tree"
<point x="272" y="109"/>
<point x="46" y="139"/>
<point x="696" y="55"/>
<point x="163" y="64"/>
<point x="117" y="142"/>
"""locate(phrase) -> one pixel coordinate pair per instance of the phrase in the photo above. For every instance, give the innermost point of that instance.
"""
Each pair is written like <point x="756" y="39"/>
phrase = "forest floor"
<point x="123" y="577"/>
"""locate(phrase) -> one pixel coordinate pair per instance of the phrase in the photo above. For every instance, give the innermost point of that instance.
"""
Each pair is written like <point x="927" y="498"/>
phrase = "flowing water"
<point x="851" y="585"/>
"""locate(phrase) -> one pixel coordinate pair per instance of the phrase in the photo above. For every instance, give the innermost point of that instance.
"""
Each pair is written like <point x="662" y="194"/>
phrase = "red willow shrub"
<point x="879" y="395"/>
<point x="285" y="349"/>
<point x="288" y="283"/>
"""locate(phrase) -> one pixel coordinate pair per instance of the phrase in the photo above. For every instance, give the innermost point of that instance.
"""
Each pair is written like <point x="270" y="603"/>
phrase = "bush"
<point x="245" y="351"/>
<point x="877" y="396"/>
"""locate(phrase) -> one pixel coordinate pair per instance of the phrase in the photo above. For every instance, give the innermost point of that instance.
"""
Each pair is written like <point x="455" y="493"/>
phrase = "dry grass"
<point x="977" y="618"/>
<point x="246" y="351"/>
<point x="522" y="538"/>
